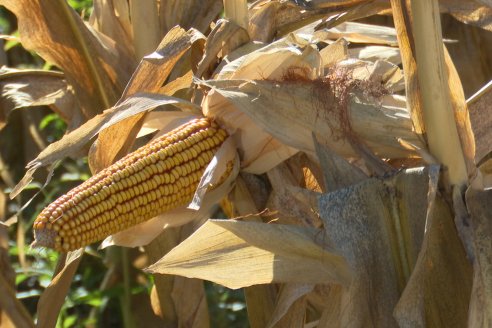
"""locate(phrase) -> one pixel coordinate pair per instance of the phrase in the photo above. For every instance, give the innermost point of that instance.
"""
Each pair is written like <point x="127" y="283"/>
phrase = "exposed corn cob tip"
<point x="157" y="177"/>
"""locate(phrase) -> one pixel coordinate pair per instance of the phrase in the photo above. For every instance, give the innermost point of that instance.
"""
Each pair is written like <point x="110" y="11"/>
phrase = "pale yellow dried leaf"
<point x="335" y="52"/>
<point x="272" y="107"/>
<point x="198" y="14"/>
<point x="359" y="33"/>
<point x="373" y="53"/>
<point x="111" y="17"/>
<point x="238" y="254"/>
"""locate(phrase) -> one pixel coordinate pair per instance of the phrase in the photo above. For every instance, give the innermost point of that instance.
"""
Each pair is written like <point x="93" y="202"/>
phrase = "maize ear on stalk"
<point x="156" y="178"/>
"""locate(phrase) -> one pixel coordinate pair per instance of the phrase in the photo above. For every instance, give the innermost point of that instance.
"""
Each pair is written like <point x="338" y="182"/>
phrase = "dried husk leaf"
<point x="239" y="254"/>
<point x="334" y="53"/>
<point x="260" y="151"/>
<point x="224" y="37"/>
<point x="373" y="53"/>
<point x="316" y="109"/>
<point x="59" y="35"/>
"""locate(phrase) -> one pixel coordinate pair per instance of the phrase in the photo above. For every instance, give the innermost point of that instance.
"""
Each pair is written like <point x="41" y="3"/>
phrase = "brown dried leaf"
<point x="481" y="120"/>
<point x="53" y="297"/>
<point x="239" y="254"/>
<point x="290" y="301"/>
<point x="479" y="206"/>
<point x="376" y="225"/>
<point x="111" y="17"/>
<point x="438" y="292"/>
<point x="198" y="14"/>
<point x="190" y="303"/>
<point x="474" y="12"/>
<point x="359" y="33"/>
<point x="26" y="88"/>
<point x="96" y="70"/>
<point x="149" y="76"/>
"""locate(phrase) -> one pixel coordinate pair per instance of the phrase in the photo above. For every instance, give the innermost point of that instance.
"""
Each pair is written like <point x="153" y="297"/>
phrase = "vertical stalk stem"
<point x="442" y="134"/>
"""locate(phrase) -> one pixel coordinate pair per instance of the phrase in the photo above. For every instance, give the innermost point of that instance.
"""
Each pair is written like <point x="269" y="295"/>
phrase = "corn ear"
<point x="156" y="178"/>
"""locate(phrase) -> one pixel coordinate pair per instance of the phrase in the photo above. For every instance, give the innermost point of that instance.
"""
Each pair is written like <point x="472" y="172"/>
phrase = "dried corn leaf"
<point x="438" y="292"/>
<point x="111" y="18"/>
<point x="53" y="297"/>
<point x="376" y="226"/>
<point x="190" y="303"/>
<point x="474" y="12"/>
<point x="373" y="53"/>
<point x="316" y="109"/>
<point x="59" y="35"/>
<point x="189" y="13"/>
<point x="149" y="76"/>
<point x="239" y="254"/>
<point x="358" y="33"/>
<point x="26" y="88"/>
<point x="225" y="37"/>
<point x="481" y="120"/>
<point x="75" y="140"/>
<point x="478" y="203"/>
<point x="288" y="304"/>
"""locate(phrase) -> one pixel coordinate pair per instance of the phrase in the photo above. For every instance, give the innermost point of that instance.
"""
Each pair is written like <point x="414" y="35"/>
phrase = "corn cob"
<point x="157" y="177"/>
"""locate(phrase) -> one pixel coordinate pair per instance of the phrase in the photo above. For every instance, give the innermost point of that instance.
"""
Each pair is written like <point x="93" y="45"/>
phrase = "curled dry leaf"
<point x="239" y="254"/>
<point x="26" y="88"/>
